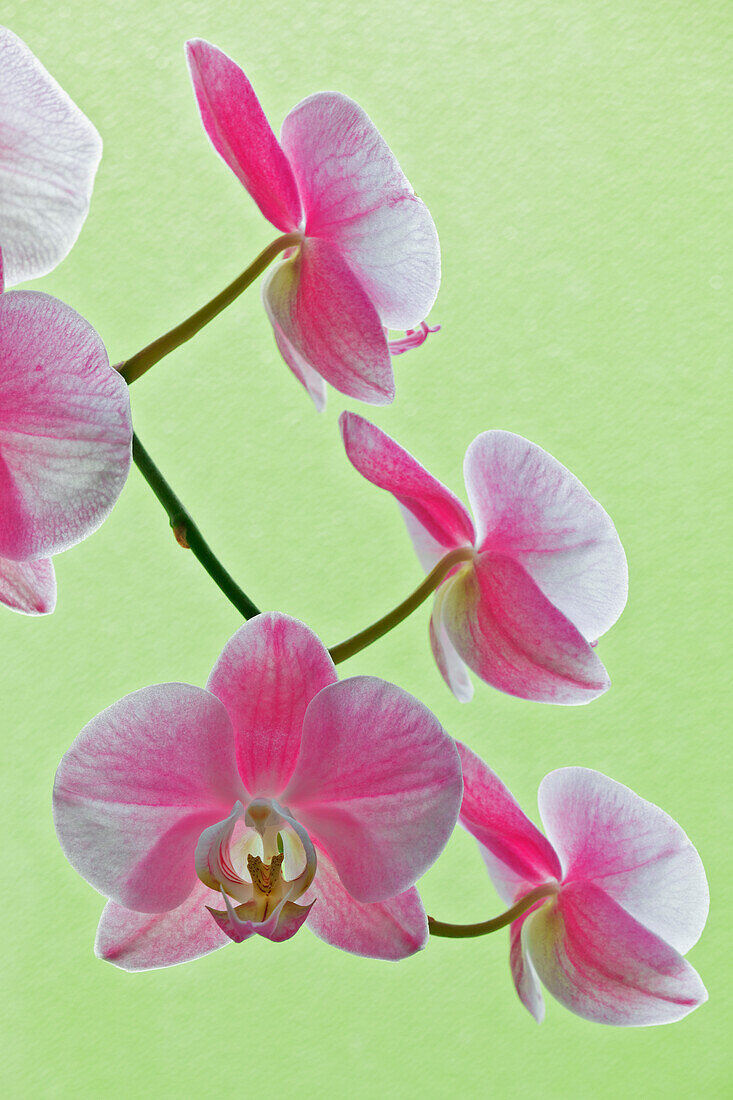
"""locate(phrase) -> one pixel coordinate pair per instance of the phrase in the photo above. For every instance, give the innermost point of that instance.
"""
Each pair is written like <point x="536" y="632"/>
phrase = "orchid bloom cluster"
<point x="280" y="797"/>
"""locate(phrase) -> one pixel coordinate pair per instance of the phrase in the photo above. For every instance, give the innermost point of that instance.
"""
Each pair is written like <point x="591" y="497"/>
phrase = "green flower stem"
<point x="463" y="931"/>
<point x="187" y="533"/>
<point x="132" y="369"/>
<point x="365" y="637"/>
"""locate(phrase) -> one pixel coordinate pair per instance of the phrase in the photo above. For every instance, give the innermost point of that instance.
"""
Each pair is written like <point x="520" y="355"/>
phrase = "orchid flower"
<point x="65" y="437"/>
<point x="49" y="153"/>
<point x="276" y="796"/>
<point x="625" y="895"/>
<point x="368" y="259"/>
<point x="544" y="573"/>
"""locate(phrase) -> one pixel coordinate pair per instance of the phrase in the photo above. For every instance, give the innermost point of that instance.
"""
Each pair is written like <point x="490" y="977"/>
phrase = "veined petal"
<point x="146" y="941"/>
<point x="528" y="506"/>
<point x="28" y="586"/>
<point x="356" y="196"/>
<point x="606" y="834"/>
<point x="266" y="676"/>
<point x="517" y="855"/>
<point x="523" y="972"/>
<point x="603" y="965"/>
<point x="389" y="929"/>
<point x="309" y="378"/>
<point x="316" y="303"/>
<point x="452" y="668"/>
<point x="65" y="429"/>
<point x="377" y="785"/>
<point x="515" y="639"/>
<point x="49" y="153"/>
<point x="138" y="786"/>
<point x="237" y="128"/>
<point x="383" y="462"/>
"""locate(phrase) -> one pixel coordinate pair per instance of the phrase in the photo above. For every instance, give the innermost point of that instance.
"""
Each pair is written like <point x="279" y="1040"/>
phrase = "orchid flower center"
<point x="259" y="856"/>
<point x="413" y="338"/>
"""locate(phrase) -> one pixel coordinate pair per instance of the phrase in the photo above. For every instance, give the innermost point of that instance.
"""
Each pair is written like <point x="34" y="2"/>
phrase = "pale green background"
<point x="572" y="155"/>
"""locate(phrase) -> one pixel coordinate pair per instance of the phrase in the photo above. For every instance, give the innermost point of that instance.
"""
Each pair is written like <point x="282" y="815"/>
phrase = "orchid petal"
<point x="356" y="196"/>
<point x="320" y="309"/>
<point x="517" y="855"/>
<point x="65" y="427"/>
<point x="146" y="941"/>
<point x="523" y="972"/>
<point x="237" y="128"/>
<point x="387" y="465"/>
<point x="389" y="929"/>
<point x="309" y="378"/>
<point x="528" y="506"/>
<point x="603" y="965"/>
<point x="28" y="586"/>
<point x="49" y="153"/>
<point x="452" y="668"/>
<point x="266" y="676"/>
<point x="138" y="786"/>
<point x="515" y="639"/>
<point x="377" y="785"/>
<point x="606" y="834"/>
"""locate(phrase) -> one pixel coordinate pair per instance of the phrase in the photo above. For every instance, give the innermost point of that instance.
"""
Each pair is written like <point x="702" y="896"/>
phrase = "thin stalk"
<point x="382" y="626"/>
<point x="463" y="931"/>
<point x="131" y="369"/>
<point x="187" y="533"/>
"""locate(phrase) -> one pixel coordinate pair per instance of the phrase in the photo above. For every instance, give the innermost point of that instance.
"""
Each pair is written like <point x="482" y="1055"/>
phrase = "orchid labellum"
<point x="276" y="796"/>
<point x="544" y="573"/>
<point x="623" y="895"/>
<point x="366" y="257"/>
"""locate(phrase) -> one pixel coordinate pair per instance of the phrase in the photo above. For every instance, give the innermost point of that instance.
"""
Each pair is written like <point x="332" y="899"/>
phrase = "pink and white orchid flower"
<point x="49" y="153"/>
<point x="65" y="441"/>
<point x="368" y="260"/>
<point x="546" y="576"/>
<point x="278" y="795"/>
<point x="626" y="897"/>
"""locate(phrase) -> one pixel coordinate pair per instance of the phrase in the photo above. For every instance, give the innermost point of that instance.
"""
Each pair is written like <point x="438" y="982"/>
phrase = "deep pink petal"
<point x="389" y="929"/>
<point x="517" y="855"/>
<point x="138" y="786"/>
<point x="319" y="309"/>
<point x="528" y="506"/>
<point x="28" y="586"/>
<point x="267" y="674"/>
<point x="377" y="785"/>
<point x="240" y="133"/>
<point x="356" y="196"/>
<point x="49" y="153"/>
<point x="523" y="972"/>
<point x="65" y="429"/>
<point x="514" y="638"/>
<point x="439" y="513"/>
<point x="452" y="668"/>
<point x="606" y="834"/>
<point x="602" y="964"/>
<point x="145" y="941"/>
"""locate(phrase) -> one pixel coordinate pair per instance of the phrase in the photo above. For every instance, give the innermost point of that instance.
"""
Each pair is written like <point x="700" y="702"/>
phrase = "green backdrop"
<point x="572" y="156"/>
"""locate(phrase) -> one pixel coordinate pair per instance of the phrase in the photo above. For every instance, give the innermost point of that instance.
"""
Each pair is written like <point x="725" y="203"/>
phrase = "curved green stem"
<point x="463" y="931"/>
<point x="365" y="637"/>
<point x="131" y="369"/>
<point x="187" y="533"/>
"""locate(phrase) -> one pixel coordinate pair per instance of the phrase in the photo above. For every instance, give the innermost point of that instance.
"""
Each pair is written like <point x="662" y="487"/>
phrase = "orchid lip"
<point x="413" y="338"/>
